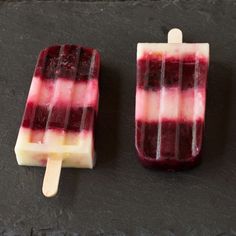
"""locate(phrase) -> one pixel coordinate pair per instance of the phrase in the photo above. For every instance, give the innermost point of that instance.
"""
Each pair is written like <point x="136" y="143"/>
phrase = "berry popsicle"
<point x="170" y="102"/>
<point x="58" y="122"/>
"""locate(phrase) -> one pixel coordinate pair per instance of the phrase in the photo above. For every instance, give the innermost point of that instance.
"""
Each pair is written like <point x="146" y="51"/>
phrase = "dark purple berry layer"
<point x="169" y="140"/>
<point x="153" y="73"/>
<point x="68" y="61"/>
<point x="39" y="117"/>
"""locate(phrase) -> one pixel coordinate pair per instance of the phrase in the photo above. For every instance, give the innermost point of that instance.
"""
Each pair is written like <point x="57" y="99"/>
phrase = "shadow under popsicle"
<point x="218" y="112"/>
<point x="69" y="181"/>
<point x="107" y="123"/>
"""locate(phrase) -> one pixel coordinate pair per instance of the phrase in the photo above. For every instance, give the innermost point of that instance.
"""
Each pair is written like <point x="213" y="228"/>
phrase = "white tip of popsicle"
<point x="175" y="36"/>
<point x="51" y="177"/>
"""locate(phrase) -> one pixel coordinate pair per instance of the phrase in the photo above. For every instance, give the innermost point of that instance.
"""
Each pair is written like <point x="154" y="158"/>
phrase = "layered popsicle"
<point x="58" y="121"/>
<point x="170" y="103"/>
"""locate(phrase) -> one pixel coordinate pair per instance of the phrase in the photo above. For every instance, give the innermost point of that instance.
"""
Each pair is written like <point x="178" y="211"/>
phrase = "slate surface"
<point x="119" y="197"/>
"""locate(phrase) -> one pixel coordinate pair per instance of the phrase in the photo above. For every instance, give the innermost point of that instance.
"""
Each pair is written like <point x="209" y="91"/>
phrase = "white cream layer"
<point x="64" y="91"/>
<point x="76" y="149"/>
<point x="171" y="104"/>
<point x="173" y="49"/>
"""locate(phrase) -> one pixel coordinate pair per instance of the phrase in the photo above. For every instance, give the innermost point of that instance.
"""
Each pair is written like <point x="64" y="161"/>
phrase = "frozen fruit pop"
<point x="170" y="102"/>
<point x="58" y="122"/>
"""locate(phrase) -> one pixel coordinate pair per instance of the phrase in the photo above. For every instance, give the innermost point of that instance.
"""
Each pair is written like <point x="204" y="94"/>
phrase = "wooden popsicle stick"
<point x="175" y="36"/>
<point x="52" y="177"/>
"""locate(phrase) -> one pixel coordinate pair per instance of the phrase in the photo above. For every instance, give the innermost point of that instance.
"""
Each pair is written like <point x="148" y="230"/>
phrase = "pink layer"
<point x="59" y="137"/>
<point x="171" y="104"/>
<point x="83" y="93"/>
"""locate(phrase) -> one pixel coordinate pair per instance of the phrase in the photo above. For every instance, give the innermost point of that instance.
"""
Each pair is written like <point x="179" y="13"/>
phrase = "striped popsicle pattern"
<point x="61" y="107"/>
<point x="170" y="103"/>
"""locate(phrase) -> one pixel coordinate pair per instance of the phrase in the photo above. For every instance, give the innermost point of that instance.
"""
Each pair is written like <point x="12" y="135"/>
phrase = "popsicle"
<point x="58" y="122"/>
<point x="170" y="102"/>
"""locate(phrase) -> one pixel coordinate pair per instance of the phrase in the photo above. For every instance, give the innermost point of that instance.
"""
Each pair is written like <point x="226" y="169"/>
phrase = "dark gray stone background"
<point x="119" y="197"/>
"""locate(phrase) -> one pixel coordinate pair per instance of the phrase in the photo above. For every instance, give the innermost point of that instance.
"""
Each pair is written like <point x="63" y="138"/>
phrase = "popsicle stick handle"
<point x="52" y="177"/>
<point x="175" y="36"/>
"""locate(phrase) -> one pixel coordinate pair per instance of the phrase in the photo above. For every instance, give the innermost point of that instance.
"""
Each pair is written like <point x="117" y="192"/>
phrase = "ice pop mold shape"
<point x="170" y="102"/>
<point x="58" y="122"/>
